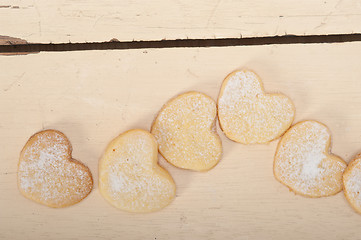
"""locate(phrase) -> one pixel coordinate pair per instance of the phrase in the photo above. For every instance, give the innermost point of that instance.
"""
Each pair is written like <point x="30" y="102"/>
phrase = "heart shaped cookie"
<point x="47" y="173"/>
<point x="303" y="161"/>
<point x="130" y="177"/>
<point x="247" y="114"/>
<point x="186" y="133"/>
<point x="352" y="183"/>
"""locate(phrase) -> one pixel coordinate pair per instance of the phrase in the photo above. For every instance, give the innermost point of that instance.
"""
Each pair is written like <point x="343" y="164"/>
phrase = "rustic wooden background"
<point x="94" y="95"/>
<point x="43" y="21"/>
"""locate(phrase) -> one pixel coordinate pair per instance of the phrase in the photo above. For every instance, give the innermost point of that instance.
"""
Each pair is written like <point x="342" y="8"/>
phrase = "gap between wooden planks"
<point x="92" y="96"/>
<point x="14" y="46"/>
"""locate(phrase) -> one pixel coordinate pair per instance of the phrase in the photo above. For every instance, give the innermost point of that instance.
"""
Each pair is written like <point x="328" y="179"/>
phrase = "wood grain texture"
<point x="94" y="96"/>
<point x="42" y="21"/>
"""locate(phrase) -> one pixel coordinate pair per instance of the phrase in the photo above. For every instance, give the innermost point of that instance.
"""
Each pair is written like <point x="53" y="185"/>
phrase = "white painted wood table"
<point x="43" y="21"/>
<point x="92" y="96"/>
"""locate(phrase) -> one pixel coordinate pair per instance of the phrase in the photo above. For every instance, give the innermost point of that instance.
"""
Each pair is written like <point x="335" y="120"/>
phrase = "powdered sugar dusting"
<point x="117" y="181"/>
<point x="131" y="178"/>
<point x="247" y="114"/>
<point x="185" y="132"/>
<point x="46" y="175"/>
<point x="243" y="84"/>
<point x="352" y="181"/>
<point x="302" y="161"/>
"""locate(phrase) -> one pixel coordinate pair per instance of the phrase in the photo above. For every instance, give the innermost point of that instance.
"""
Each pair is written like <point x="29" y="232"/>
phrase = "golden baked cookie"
<point x="47" y="174"/>
<point x="129" y="175"/>
<point x="247" y="114"/>
<point x="352" y="183"/>
<point x="186" y="133"/>
<point x="303" y="161"/>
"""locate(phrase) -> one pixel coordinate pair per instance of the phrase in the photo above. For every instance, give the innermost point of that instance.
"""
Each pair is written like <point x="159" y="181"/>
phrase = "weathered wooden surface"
<point x="42" y="21"/>
<point x="93" y="96"/>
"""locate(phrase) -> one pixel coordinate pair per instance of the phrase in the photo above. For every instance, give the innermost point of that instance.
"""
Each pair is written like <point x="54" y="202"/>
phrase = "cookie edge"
<point x="223" y="85"/>
<point x="329" y="153"/>
<point x="213" y="129"/>
<point x="157" y="167"/>
<point x="71" y="159"/>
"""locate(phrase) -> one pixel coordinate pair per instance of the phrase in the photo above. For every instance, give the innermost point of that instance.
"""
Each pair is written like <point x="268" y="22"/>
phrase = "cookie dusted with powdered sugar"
<point x="352" y="183"/>
<point x="47" y="174"/>
<point x="303" y="161"/>
<point x="247" y="114"/>
<point x="130" y="178"/>
<point x="186" y="133"/>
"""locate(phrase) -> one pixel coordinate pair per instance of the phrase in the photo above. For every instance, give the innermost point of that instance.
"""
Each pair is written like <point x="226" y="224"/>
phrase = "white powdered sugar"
<point x="185" y="131"/>
<point x="247" y="114"/>
<point x="117" y="181"/>
<point x="46" y="174"/>
<point x="130" y="176"/>
<point x="301" y="161"/>
<point x="310" y="164"/>
<point x="243" y="84"/>
<point x="354" y="184"/>
<point x="352" y="181"/>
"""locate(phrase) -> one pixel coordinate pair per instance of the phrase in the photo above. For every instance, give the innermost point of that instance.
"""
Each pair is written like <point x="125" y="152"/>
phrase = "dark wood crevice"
<point x="24" y="47"/>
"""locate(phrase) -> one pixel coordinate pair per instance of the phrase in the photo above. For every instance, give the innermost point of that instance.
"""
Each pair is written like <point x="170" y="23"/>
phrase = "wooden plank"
<point x="93" y="96"/>
<point x="43" y="21"/>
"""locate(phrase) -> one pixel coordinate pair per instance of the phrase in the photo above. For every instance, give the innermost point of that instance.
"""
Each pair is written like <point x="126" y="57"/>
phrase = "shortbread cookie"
<point x="352" y="183"/>
<point x="303" y="161"/>
<point x="186" y="133"/>
<point x="47" y="173"/>
<point x="130" y="177"/>
<point x="247" y="114"/>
